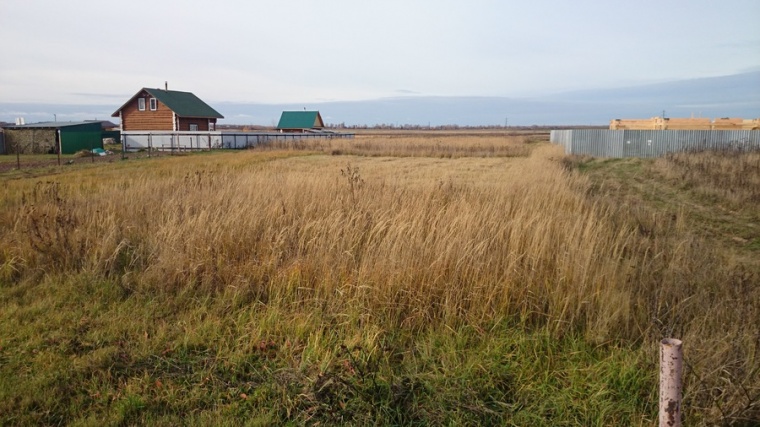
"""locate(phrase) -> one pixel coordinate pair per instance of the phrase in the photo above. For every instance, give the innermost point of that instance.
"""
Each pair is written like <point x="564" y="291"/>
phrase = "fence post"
<point x="671" y="362"/>
<point x="60" y="145"/>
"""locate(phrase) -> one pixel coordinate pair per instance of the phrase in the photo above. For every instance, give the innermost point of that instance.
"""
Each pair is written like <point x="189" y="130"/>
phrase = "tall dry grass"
<point x="405" y="145"/>
<point x="445" y="248"/>
<point x="405" y="243"/>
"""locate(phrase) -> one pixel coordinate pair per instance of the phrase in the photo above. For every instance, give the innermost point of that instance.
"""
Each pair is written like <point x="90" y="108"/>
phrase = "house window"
<point x="193" y="127"/>
<point x="211" y="125"/>
<point x="141" y="104"/>
<point x="153" y="104"/>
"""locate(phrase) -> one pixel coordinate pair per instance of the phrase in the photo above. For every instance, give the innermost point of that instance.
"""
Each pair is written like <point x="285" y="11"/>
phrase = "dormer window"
<point x="141" y="104"/>
<point x="153" y="104"/>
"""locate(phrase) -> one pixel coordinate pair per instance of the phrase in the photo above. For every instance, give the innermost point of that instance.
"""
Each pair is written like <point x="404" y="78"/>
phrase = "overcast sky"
<point x="284" y="51"/>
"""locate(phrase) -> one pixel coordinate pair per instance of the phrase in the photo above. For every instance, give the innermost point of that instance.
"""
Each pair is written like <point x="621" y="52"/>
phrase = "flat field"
<point x="423" y="279"/>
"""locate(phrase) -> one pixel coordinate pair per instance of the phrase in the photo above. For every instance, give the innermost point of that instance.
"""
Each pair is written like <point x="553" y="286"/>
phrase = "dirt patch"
<point x="36" y="163"/>
<point x="26" y="164"/>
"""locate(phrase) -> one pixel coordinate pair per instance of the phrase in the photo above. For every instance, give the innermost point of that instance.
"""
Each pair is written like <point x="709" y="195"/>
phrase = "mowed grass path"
<point x="449" y="281"/>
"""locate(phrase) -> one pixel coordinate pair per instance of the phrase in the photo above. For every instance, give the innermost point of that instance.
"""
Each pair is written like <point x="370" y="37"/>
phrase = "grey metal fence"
<point x="186" y="141"/>
<point x="251" y="139"/>
<point x="135" y="141"/>
<point x="651" y="143"/>
<point x="2" y="143"/>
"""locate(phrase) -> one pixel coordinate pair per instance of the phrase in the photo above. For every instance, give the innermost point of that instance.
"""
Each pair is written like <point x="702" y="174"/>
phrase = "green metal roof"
<point x="300" y="120"/>
<point x="184" y="104"/>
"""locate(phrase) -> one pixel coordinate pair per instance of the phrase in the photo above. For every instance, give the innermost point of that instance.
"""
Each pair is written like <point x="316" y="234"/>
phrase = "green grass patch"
<point x="653" y="185"/>
<point x="77" y="349"/>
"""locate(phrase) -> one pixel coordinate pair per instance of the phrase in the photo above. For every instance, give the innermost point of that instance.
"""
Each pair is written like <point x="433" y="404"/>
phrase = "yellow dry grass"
<point x="422" y="145"/>
<point x="415" y="233"/>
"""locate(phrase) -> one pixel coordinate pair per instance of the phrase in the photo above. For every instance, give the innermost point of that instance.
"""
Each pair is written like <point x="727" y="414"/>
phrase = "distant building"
<point x="300" y="121"/>
<point x="46" y="137"/>
<point x="166" y="110"/>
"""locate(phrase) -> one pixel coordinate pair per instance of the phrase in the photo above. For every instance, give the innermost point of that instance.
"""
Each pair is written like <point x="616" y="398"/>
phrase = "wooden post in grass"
<point x="671" y="362"/>
<point x="58" y="138"/>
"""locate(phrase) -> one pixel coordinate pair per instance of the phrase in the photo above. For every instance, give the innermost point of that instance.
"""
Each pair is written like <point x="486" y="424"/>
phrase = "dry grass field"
<point x="389" y="279"/>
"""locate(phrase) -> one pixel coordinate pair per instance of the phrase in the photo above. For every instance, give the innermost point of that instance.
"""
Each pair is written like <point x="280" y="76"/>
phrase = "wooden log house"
<point x="166" y="110"/>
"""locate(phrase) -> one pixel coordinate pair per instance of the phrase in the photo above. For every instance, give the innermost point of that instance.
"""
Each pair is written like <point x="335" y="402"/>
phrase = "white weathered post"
<point x="671" y="362"/>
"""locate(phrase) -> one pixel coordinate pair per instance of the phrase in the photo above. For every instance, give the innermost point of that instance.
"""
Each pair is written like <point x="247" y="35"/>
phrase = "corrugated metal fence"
<point x="651" y="143"/>
<point x="250" y="140"/>
<point x="134" y="141"/>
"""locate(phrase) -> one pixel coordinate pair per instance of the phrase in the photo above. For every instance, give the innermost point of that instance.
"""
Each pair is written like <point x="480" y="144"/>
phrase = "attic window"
<point x="153" y="104"/>
<point x="141" y="104"/>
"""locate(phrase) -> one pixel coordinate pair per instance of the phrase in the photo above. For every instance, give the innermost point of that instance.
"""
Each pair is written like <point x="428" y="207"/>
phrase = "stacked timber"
<point x="659" y="123"/>
<point x="686" y="124"/>
<point x="633" y="124"/>
<point x="753" y="124"/>
<point x="727" y="123"/>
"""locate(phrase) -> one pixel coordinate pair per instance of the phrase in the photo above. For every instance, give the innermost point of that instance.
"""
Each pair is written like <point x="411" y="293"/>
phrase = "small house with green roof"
<point x="300" y="121"/>
<point x="166" y="110"/>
